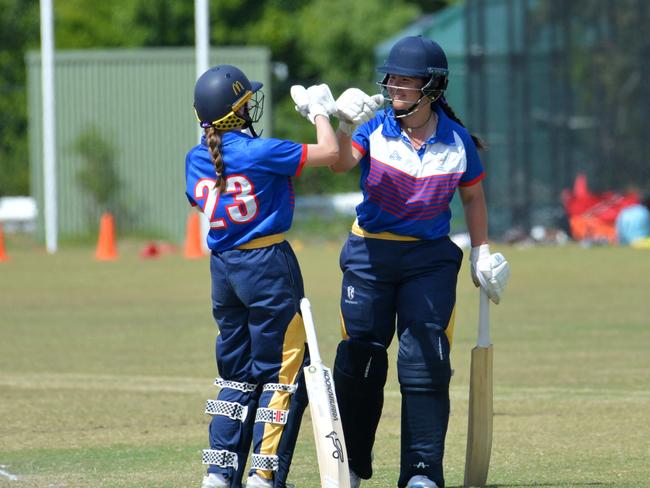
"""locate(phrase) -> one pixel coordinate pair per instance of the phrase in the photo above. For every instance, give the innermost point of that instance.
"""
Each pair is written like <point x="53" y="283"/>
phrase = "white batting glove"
<point x="313" y="101"/>
<point x="354" y="107"/>
<point x="490" y="271"/>
<point x="301" y="99"/>
<point x="321" y="101"/>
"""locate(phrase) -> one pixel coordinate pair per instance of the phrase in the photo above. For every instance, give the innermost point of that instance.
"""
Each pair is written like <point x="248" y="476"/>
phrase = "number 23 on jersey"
<point x="244" y="208"/>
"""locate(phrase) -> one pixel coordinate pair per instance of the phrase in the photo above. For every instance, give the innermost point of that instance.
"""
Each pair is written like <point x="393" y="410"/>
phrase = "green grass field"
<point x="105" y="369"/>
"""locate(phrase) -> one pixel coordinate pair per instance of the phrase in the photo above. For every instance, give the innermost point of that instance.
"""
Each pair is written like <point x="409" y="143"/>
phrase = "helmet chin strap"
<point x="250" y="127"/>
<point x="401" y="113"/>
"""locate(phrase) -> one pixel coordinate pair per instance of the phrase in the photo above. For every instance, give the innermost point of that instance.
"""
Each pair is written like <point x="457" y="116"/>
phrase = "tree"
<point x="18" y="31"/>
<point x="318" y="40"/>
<point x="98" y="175"/>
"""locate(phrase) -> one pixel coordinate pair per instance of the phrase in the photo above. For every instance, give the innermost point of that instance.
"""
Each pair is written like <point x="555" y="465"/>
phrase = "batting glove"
<point x="490" y="271"/>
<point x="313" y="101"/>
<point x="354" y="107"/>
<point x="301" y="99"/>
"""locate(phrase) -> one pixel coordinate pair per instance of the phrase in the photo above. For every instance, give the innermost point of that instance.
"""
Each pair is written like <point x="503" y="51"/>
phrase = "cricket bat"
<point x="325" y="418"/>
<point x="479" y="425"/>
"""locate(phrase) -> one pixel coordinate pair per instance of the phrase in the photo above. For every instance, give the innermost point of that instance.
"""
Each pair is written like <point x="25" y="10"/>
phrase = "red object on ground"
<point x="150" y="251"/>
<point x="593" y="216"/>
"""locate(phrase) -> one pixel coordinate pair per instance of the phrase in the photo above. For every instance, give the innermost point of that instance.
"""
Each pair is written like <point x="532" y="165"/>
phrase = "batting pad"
<point x="279" y="387"/>
<point x="224" y="459"/>
<point x="235" y="385"/>
<point x="264" y="462"/>
<point x="271" y="416"/>
<point x="233" y="410"/>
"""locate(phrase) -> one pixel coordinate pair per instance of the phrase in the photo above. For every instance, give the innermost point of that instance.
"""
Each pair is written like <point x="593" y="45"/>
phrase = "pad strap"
<point x="235" y="385"/>
<point x="271" y="416"/>
<point x="224" y="459"/>
<point x="233" y="410"/>
<point x="264" y="462"/>
<point x="279" y="387"/>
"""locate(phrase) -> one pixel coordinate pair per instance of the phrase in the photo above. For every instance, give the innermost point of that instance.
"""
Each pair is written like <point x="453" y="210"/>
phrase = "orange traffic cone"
<point x="106" y="250"/>
<point x="193" y="248"/>
<point x="3" y="254"/>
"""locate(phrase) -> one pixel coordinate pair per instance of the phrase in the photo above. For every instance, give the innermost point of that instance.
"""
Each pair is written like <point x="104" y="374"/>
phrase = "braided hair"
<point x="452" y="115"/>
<point x="213" y="138"/>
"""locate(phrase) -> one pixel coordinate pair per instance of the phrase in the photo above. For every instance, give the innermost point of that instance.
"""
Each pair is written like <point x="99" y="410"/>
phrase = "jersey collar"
<point x="444" y="130"/>
<point x="227" y="135"/>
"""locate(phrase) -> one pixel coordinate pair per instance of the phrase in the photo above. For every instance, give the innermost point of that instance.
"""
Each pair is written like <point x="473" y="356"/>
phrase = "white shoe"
<point x="420" y="481"/>
<point x="355" y="481"/>
<point x="256" y="481"/>
<point x="215" y="480"/>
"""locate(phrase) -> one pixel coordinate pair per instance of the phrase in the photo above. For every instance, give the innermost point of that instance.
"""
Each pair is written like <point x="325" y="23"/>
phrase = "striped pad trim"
<point x="235" y="385"/>
<point x="233" y="410"/>
<point x="264" y="462"/>
<point x="271" y="416"/>
<point x="224" y="459"/>
<point x="279" y="387"/>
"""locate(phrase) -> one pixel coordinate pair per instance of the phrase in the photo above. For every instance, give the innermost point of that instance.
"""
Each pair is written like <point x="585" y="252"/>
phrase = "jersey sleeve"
<point x="474" y="172"/>
<point x="189" y="179"/>
<point x="361" y="139"/>
<point x="278" y="156"/>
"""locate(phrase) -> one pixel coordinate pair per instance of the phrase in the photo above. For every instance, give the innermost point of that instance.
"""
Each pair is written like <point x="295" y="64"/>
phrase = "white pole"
<point x="49" y="129"/>
<point x="202" y="54"/>
<point x="201" y="40"/>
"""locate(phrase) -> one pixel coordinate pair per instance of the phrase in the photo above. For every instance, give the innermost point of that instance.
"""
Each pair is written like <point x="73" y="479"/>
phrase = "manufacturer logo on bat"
<point x="337" y="453"/>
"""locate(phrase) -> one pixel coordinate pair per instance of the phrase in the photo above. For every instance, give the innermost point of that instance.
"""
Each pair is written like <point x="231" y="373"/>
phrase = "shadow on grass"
<point x="554" y="484"/>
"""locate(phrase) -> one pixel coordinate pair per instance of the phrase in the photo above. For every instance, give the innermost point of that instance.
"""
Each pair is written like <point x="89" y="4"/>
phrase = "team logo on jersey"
<point x="237" y="87"/>
<point x="394" y="156"/>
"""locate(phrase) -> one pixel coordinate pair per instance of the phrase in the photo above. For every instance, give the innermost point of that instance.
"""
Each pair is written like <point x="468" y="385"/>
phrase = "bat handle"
<point x="483" y="320"/>
<point x="310" y="330"/>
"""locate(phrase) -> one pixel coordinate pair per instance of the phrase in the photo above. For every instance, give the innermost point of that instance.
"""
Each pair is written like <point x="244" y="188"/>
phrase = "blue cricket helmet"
<point x="419" y="57"/>
<point x="221" y="92"/>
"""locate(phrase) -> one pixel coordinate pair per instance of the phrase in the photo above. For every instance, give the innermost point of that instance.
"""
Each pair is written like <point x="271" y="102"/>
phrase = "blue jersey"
<point x="259" y="197"/>
<point x="408" y="192"/>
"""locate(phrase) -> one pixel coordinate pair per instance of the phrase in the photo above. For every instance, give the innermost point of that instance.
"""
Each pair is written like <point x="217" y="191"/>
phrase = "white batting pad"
<point x="235" y="385"/>
<point x="271" y="416"/>
<point x="279" y="387"/>
<point x="225" y="459"/>
<point x="233" y="410"/>
<point x="265" y="462"/>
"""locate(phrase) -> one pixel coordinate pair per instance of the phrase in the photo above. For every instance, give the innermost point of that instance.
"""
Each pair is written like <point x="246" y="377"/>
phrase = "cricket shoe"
<point x="420" y="481"/>
<point x="256" y="481"/>
<point x="215" y="480"/>
<point x="355" y="481"/>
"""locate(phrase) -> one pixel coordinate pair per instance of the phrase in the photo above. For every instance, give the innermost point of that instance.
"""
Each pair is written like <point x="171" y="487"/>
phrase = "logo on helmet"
<point x="237" y="87"/>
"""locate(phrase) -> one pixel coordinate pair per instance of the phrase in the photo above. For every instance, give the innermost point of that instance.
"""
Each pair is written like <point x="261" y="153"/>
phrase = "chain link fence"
<point x="557" y="88"/>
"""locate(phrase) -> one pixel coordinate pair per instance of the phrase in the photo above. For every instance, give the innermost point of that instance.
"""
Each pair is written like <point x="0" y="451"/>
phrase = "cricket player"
<point x="399" y="265"/>
<point x="242" y="182"/>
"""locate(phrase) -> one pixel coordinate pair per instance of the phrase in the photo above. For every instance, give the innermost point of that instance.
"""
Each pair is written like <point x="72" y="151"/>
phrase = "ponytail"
<point x="452" y="115"/>
<point x="213" y="138"/>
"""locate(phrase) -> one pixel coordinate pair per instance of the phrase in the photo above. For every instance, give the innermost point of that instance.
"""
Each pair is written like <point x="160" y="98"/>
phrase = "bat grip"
<point x="483" y="320"/>
<point x="310" y="330"/>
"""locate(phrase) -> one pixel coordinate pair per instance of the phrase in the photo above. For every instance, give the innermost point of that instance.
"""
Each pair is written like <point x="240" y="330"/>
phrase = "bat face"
<point x="479" y="430"/>
<point x="325" y="417"/>
<point x="328" y="431"/>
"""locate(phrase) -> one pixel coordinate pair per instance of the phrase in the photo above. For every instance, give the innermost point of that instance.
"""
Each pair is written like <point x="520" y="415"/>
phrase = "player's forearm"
<point x="326" y="150"/>
<point x="346" y="160"/>
<point x="476" y="217"/>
